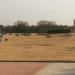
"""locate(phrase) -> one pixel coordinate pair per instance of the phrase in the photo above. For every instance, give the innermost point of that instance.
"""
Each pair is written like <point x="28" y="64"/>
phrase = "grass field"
<point x="38" y="48"/>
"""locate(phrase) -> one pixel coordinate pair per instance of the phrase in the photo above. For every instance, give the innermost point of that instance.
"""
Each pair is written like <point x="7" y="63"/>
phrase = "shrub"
<point x="48" y="36"/>
<point x="17" y="34"/>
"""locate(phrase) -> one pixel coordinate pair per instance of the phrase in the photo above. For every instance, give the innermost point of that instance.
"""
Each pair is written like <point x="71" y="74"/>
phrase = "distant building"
<point x="73" y="27"/>
<point x="74" y="22"/>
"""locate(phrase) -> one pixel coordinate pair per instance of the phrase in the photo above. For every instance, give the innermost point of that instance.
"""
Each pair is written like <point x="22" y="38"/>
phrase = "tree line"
<point x="42" y="26"/>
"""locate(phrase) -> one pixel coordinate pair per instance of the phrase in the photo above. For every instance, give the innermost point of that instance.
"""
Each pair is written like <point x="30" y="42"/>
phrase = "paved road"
<point x="58" y="69"/>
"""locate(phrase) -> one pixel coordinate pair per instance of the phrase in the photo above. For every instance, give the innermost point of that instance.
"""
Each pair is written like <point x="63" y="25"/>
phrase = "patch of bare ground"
<point x="38" y="48"/>
<point x="20" y="68"/>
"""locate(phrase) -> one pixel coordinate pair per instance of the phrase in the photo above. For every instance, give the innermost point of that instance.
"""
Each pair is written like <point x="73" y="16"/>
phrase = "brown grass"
<point x="38" y="48"/>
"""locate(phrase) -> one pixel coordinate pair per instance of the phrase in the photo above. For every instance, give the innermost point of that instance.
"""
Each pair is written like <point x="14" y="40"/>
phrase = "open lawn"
<point x="38" y="48"/>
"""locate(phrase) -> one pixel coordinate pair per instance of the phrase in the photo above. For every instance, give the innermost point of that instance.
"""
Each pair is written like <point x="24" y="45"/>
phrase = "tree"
<point x="21" y="27"/>
<point x="43" y="26"/>
<point x="1" y="28"/>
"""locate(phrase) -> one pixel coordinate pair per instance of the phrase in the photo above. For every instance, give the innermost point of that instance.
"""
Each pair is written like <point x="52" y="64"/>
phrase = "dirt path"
<point x="20" y="68"/>
<point x="58" y="69"/>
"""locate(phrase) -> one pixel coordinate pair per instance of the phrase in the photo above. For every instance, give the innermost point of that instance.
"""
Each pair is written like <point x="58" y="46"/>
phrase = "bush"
<point x="26" y="34"/>
<point x="17" y="34"/>
<point x="57" y="31"/>
<point x="41" y="33"/>
<point x="48" y="36"/>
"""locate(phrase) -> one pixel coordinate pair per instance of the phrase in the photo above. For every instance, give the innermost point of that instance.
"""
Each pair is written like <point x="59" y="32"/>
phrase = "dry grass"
<point x="38" y="48"/>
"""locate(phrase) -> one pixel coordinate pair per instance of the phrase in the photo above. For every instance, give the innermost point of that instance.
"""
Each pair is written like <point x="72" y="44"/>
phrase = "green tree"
<point x="21" y="27"/>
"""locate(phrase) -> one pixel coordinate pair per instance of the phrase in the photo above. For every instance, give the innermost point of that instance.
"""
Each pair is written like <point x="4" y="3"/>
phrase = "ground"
<point x="57" y="47"/>
<point x="57" y="69"/>
<point x="20" y="68"/>
<point x="36" y="68"/>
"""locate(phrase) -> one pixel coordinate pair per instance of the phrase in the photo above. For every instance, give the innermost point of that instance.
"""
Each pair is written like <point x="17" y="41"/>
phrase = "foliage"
<point x="42" y="27"/>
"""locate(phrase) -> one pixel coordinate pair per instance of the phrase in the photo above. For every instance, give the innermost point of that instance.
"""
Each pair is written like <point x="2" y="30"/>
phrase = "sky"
<point x="61" y="11"/>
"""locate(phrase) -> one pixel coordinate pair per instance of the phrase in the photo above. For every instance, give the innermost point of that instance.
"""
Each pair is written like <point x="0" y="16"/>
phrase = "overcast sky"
<point x="62" y="11"/>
